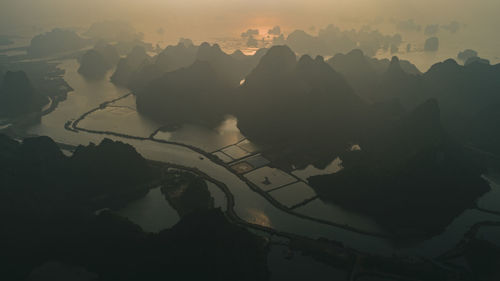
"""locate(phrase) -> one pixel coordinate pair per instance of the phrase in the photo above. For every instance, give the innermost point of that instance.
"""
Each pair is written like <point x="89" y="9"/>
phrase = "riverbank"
<point x="250" y="206"/>
<point x="75" y="127"/>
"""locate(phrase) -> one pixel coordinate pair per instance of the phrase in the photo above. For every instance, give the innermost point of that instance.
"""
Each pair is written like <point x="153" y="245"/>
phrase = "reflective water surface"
<point x="249" y="205"/>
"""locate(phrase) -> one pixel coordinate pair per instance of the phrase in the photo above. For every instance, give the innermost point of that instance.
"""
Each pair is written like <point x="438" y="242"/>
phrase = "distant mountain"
<point x="193" y="94"/>
<point x="402" y="176"/>
<point x="128" y="66"/>
<point x="125" y="47"/>
<point x="364" y="73"/>
<point x="184" y="54"/>
<point x="109" y="52"/>
<point x="287" y="103"/>
<point x="466" y="95"/>
<point x="56" y="41"/>
<point x="238" y="54"/>
<point x="431" y="44"/>
<point x="174" y="57"/>
<point x="395" y="83"/>
<point x="332" y="40"/>
<point x="252" y="60"/>
<point x="476" y="60"/>
<point x="6" y="40"/>
<point x="95" y="63"/>
<point x="227" y="67"/>
<point x="113" y="31"/>
<point x="138" y="70"/>
<point x="467" y="54"/>
<point x="18" y="96"/>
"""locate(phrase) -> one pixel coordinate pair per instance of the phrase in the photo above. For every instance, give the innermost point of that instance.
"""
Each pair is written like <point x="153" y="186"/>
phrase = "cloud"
<point x="249" y="33"/>
<point x="274" y="31"/>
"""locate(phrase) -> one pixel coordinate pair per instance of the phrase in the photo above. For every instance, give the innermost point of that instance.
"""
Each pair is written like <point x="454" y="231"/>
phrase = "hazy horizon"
<point x="203" y="20"/>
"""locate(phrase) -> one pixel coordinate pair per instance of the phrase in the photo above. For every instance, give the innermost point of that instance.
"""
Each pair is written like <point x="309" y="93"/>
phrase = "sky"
<point x="208" y="19"/>
<point x="217" y="17"/>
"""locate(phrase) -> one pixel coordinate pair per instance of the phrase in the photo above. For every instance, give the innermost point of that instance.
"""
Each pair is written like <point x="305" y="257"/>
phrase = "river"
<point x="249" y="205"/>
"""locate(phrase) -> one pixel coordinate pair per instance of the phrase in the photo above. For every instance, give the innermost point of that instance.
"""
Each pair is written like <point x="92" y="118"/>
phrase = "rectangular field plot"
<point x="235" y="152"/>
<point x="257" y="161"/>
<point x="268" y="178"/>
<point x="223" y="157"/>
<point x="293" y="194"/>
<point x="248" y="164"/>
<point x="248" y="146"/>
<point x="242" y="167"/>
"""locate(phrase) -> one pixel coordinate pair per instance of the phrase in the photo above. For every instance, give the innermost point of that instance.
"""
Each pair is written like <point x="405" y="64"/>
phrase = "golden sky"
<point x="203" y="19"/>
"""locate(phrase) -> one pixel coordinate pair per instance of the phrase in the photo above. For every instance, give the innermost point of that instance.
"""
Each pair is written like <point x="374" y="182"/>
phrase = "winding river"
<point x="249" y="205"/>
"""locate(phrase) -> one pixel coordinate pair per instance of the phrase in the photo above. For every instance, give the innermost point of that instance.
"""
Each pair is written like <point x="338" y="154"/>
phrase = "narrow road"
<point x="74" y="126"/>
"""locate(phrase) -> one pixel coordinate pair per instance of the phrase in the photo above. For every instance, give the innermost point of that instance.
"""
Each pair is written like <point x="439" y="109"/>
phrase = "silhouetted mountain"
<point x="304" y="43"/>
<point x="48" y="201"/>
<point x="95" y="63"/>
<point x="55" y="41"/>
<point x="364" y="73"/>
<point x="238" y="54"/>
<point x="332" y="40"/>
<point x="95" y="171"/>
<point x="138" y="69"/>
<point x="472" y="60"/>
<point x="184" y="54"/>
<point x="196" y="93"/>
<point x="112" y="167"/>
<point x="227" y="67"/>
<point x="139" y="75"/>
<point x="396" y="83"/>
<point x="109" y="53"/>
<point x="466" y="54"/>
<point x="128" y="66"/>
<point x="18" y="96"/>
<point x="467" y="94"/>
<point x="174" y="57"/>
<point x="382" y="65"/>
<point x="357" y="69"/>
<point x="431" y="44"/>
<point x="292" y="105"/>
<point x="187" y="193"/>
<point x="251" y="60"/>
<point x="402" y="176"/>
<point x="126" y="47"/>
